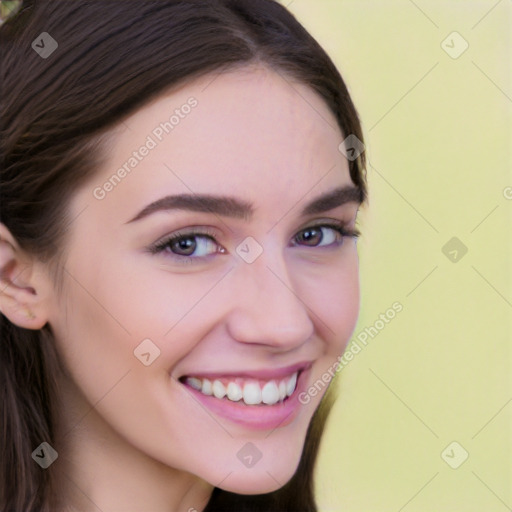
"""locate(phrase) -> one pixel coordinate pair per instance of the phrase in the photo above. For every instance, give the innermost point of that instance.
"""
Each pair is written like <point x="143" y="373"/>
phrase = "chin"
<point x="264" y="477"/>
<point x="261" y="483"/>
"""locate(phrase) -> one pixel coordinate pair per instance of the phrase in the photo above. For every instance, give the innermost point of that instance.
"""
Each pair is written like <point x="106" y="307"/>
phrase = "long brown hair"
<point x="112" y="58"/>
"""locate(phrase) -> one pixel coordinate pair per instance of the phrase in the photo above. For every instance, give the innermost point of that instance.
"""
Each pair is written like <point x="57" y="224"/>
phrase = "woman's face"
<point x="260" y="286"/>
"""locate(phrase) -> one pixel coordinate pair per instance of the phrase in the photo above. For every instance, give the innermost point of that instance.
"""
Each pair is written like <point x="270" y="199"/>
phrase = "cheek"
<point x="93" y="339"/>
<point x="118" y="306"/>
<point x="332" y="294"/>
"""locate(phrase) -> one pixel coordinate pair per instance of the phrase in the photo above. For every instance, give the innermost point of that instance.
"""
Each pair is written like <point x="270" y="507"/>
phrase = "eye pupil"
<point x="312" y="235"/>
<point x="186" y="244"/>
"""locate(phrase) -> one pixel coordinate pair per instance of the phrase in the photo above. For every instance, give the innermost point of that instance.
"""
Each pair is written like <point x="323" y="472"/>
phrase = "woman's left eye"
<point x="324" y="235"/>
<point x="198" y="245"/>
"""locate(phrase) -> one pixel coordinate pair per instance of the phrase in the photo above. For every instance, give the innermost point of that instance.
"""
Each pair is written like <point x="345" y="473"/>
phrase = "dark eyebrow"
<point x="333" y="199"/>
<point x="240" y="209"/>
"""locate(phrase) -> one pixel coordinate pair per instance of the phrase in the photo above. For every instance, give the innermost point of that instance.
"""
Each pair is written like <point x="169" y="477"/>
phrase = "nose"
<point x="267" y="306"/>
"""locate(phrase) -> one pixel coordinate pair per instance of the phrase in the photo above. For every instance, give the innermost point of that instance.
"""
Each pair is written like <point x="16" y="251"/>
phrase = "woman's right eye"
<point x="187" y="246"/>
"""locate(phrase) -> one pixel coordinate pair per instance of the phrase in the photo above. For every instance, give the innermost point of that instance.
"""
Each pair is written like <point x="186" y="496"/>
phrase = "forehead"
<point x="251" y="132"/>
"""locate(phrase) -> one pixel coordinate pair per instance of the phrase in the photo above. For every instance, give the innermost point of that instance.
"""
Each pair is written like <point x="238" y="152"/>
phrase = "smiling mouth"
<point x="249" y="391"/>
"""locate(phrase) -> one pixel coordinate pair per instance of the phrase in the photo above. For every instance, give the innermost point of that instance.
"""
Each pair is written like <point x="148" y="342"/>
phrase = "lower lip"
<point x="255" y="417"/>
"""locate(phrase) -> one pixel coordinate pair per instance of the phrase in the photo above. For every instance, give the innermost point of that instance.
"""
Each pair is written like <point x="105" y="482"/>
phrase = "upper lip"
<point x="265" y="374"/>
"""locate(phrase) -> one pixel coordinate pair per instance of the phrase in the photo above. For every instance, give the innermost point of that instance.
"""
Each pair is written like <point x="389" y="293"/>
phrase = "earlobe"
<point x="20" y="297"/>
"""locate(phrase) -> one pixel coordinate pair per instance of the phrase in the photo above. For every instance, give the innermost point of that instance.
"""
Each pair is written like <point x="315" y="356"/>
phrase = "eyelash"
<point x="166" y="243"/>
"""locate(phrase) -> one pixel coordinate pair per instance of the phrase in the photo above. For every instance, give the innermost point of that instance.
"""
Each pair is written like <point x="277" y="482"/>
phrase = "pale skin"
<point x="147" y="444"/>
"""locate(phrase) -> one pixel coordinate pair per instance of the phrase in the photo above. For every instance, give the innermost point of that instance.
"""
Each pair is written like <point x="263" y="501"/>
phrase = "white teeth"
<point x="234" y="392"/>
<point x="218" y="389"/>
<point x="194" y="383"/>
<point x="207" y="387"/>
<point x="290" y="386"/>
<point x="282" y="390"/>
<point x="251" y="392"/>
<point x="270" y="393"/>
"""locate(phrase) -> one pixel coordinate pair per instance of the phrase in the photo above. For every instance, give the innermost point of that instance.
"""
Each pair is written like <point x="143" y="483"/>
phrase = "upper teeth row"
<point x="250" y="391"/>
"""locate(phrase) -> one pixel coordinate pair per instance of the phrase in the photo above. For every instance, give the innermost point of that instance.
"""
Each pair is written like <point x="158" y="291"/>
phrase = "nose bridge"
<point x="268" y="308"/>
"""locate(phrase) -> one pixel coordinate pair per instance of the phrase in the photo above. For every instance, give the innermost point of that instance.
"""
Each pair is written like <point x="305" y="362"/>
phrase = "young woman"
<point x="180" y="182"/>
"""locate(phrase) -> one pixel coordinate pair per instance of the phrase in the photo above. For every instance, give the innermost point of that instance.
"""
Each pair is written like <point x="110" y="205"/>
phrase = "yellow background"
<point x="438" y="139"/>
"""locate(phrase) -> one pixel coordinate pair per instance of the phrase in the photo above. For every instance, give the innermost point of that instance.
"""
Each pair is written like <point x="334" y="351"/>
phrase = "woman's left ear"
<point x="23" y="286"/>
